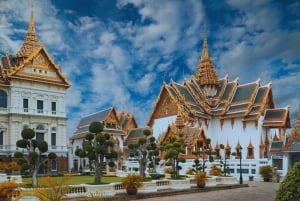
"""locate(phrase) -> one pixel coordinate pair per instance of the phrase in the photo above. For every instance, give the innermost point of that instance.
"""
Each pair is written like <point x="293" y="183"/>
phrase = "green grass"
<point x="76" y="179"/>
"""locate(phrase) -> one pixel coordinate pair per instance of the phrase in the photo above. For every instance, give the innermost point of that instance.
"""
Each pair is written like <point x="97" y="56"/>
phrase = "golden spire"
<point x="179" y="122"/>
<point x="205" y="52"/>
<point x="31" y="39"/>
<point x="31" y="27"/>
<point x="206" y="73"/>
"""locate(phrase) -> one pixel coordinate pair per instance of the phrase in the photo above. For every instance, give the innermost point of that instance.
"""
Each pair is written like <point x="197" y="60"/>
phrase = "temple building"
<point x="32" y="95"/>
<point x="119" y="126"/>
<point x="238" y="116"/>
<point x="286" y="152"/>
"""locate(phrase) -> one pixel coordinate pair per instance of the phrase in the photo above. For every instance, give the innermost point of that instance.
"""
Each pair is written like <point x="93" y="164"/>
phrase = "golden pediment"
<point x="41" y="61"/>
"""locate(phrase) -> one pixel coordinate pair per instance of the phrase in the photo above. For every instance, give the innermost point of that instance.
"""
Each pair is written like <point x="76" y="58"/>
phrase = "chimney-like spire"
<point x="31" y="39"/>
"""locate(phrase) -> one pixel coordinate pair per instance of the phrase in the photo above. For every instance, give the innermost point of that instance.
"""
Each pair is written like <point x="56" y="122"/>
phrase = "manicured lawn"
<point x="77" y="179"/>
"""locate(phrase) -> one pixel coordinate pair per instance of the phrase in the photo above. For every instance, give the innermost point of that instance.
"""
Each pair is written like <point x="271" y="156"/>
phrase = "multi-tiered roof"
<point x="31" y="62"/>
<point x="205" y="96"/>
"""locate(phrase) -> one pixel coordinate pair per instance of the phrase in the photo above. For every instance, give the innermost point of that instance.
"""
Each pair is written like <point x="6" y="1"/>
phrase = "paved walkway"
<point x="257" y="191"/>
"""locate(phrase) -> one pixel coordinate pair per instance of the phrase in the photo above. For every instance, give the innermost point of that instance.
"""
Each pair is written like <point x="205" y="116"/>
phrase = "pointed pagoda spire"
<point x="206" y="73"/>
<point x="31" y="39"/>
<point x="179" y="122"/>
<point x="205" y="52"/>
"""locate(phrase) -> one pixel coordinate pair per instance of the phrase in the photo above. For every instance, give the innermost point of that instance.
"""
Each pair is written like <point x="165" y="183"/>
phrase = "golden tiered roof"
<point x="32" y="62"/>
<point x="206" y="72"/>
<point x="206" y="96"/>
<point x="31" y="39"/>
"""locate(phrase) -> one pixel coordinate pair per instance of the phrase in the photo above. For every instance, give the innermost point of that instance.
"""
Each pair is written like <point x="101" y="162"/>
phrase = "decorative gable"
<point x="165" y="105"/>
<point x="38" y="67"/>
<point x="111" y="119"/>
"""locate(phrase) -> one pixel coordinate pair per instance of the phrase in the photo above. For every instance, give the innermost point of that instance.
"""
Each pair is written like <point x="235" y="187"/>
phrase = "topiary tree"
<point x="145" y="150"/>
<point x="227" y="154"/>
<point x="99" y="148"/>
<point x="206" y="154"/>
<point x="173" y="147"/>
<point x="289" y="188"/>
<point x="36" y="154"/>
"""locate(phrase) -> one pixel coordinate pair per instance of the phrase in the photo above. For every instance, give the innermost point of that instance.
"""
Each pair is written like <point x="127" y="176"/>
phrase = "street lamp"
<point x="241" y="176"/>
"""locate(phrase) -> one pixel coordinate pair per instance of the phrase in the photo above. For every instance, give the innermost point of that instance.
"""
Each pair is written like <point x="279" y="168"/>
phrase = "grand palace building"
<point x="240" y="116"/>
<point x="32" y="95"/>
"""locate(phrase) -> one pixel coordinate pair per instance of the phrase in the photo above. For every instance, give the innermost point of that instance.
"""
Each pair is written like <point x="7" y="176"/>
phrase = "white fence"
<point x="148" y="187"/>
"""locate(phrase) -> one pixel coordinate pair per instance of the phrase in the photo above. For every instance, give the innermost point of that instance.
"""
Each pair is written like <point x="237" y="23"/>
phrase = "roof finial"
<point x="31" y="26"/>
<point x="205" y="53"/>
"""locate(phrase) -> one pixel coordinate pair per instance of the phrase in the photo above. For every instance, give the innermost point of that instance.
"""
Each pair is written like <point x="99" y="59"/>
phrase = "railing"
<point x="113" y="189"/>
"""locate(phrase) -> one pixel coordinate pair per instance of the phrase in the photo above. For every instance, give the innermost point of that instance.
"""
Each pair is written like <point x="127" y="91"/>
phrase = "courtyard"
<point x="256" y="191"/>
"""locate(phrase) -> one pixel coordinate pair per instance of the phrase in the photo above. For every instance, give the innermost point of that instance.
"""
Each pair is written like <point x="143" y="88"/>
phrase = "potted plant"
<point x="266" y="172"/>
<point x="132" y="182"/>
<point x="200" y="179"/>
<point x="7" y="189"/>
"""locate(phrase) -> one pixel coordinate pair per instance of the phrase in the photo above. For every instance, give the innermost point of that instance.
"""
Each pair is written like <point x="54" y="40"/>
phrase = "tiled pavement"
<point x="257" y="191"/>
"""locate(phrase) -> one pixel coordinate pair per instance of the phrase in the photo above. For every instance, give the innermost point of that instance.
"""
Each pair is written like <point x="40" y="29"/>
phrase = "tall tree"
<point x="227" y="154"/>
<point x="145" y="150"/>
<point x="36" y="153"/>
<point x="98" y="147"/>
<point x="205" y="154"/>
<point x="173" y="147"/>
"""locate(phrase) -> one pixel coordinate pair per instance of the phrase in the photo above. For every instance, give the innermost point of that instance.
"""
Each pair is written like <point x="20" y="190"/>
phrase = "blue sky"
<point x="119" y="52"/>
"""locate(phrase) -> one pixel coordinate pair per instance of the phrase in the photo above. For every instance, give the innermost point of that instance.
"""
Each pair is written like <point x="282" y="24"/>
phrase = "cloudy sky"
<point x="119" y="52"/>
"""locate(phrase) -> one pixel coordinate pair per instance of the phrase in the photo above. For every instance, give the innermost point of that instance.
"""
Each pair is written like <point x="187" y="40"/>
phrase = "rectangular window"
<point x="40" y="106"/>
<point x="25" y="104"/>
<point x="1" y="138"/>
<point x="277" y="163"/>
<point x="53" y="107"/>
<point x="53" y="139"/>
<point x="40" y="137"/>
<point x="53" y="165"/>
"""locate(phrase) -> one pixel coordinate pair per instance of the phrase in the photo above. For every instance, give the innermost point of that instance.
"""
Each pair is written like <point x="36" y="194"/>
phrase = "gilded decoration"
<point x="165" y="106"/>
<point x="40" y="61"/>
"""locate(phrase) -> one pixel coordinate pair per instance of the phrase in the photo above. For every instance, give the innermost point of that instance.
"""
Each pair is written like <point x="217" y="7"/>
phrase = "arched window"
<point x="3" y="99"/>
<point x="40" y="136"/>
<point x="40" y="128"/>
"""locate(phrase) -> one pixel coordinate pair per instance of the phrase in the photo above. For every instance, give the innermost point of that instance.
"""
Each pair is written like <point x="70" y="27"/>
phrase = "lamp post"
<point x="241" y="176"/>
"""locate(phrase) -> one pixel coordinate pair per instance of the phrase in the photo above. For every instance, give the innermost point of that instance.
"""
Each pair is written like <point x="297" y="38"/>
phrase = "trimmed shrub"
<point x="156" y="176"/>
<point x="289" y="188"/>
<point x="215" y="171"/>
<point x="266" y="172"/>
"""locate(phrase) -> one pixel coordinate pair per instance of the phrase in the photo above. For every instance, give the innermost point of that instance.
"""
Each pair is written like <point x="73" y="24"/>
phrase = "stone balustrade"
<point x="148" y="187"/>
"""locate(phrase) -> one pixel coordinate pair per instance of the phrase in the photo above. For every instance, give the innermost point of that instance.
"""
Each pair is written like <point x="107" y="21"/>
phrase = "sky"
<point x="119" y="52"/>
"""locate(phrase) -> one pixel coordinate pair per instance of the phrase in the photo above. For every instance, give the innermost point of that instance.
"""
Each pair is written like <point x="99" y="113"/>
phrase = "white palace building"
<point x="229" y="113"/>
<point x="32" y="94"/>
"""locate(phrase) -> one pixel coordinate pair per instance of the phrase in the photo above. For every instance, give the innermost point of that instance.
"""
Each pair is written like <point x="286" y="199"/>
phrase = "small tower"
<point x="31" y="40"/>
<point x="206" y="73"/>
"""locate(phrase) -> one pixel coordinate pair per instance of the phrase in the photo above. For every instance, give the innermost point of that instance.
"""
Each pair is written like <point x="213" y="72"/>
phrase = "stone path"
<point x="257" y="191"/>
